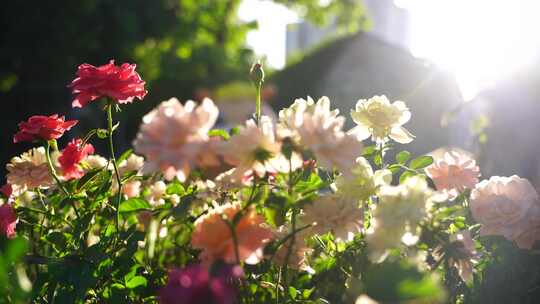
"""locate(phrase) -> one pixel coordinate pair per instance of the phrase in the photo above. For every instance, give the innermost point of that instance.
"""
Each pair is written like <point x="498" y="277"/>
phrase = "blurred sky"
<point x="480" y="41"/>
<point x="269" y="39"/>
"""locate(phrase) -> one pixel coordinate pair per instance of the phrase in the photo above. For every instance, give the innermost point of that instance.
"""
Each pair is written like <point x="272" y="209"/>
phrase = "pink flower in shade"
<point x="7" y="190"/>
<point x="41" y="127"/>
<point x="298" y="248"/>
<point x="174" y="138"/>
<point x="461" y="254"/>
<point x="71" y="156"/>
<point x="454" y="173"/>
<point x="531" y="235"/>
<point x="213" y="236"/>
<point x="120" y="83"/>
<point x="195" y="284"/>
<point x="507" y="206"/>
<point x="8" y="220"/>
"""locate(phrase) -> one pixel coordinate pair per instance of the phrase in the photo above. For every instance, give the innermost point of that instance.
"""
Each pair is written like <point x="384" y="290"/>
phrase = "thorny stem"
<point x="115" y="165"/>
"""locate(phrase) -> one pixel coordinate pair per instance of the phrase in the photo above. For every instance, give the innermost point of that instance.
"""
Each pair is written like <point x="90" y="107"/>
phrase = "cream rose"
<point x="380" y="119"/>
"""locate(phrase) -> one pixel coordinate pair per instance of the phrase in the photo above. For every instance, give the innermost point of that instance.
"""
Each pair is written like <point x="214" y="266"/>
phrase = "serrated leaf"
<point x="403" y="157"/>
<point x="421" y="162"/>
<point x="134" y="204"/>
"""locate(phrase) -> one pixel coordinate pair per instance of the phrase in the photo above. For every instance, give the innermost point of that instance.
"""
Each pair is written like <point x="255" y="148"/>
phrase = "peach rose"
<point x="253" y="150"/>
<point x="132" y="189"/>
<point x="454" y="173"/>
<point x="29" y="170"/>
<point x="507" y="206"/>
<point x="213" y="236"/>
<point x="316" y="127"/>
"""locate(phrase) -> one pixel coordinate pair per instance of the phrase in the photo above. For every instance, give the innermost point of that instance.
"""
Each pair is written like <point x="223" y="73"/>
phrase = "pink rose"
<point x="454" y="173"/>
<point x="8" y="220"/>
<point x="41" y="127"/>
<point x="120" y="83"/>
<point x="506" y="206"/>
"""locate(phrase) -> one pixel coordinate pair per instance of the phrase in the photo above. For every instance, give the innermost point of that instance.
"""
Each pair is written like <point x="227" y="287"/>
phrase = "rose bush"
<point x="296" y="210"/>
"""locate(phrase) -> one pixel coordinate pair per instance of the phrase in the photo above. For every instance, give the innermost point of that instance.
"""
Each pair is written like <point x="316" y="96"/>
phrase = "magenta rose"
<point x="71" y="156"/>
<point x="121" y="83"/>
<point x="195" y="284"/>
<point x="8" y="220"/>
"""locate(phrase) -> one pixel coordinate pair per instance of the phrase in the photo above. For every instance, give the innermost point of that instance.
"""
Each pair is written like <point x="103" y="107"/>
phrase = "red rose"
<point x="6" y="190"/>
<point x="120" y="83"/>
<point x="8" y="220"/>
<point x="71" y="156"/>
<point x="43" y="127"/>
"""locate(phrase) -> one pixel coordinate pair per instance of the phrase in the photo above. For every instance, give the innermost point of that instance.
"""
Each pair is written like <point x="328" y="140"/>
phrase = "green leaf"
<point x="403" y="157"/>
<point x="102" y="133"/>
<point x="235" y="130"/>
<point x="136" y="281"/>
<point x="293" y="292"/>
<point x="397" y="282"/>
<point x="421" y="162"/>
<point x="219" y="132"/>
<point x="378" y="160"/>
<point x="405" y="175"/>
<point x="15" y="249"/>
<point x="124" y="156"/>
<point x="176" y="188"/>
<point x="369" y="150"/>
<point x="88" y="179"/>
<point x="134" y="204"/>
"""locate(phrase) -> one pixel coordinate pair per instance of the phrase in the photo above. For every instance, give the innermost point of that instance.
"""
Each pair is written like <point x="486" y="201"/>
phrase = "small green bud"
<point x="257" y="73"/>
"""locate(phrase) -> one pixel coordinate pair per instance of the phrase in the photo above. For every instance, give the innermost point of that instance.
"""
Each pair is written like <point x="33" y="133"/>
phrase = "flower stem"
<point x="257" y="76"/>
<point x="232" y="228"/>
<point x="115" y="165"/>
<point x="380" y="147"/>
<point x="57" y="179"/>
<point x="258" y="88"/>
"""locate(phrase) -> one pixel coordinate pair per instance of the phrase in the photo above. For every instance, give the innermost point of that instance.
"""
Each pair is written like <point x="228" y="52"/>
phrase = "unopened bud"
<point x="257" y="73"/>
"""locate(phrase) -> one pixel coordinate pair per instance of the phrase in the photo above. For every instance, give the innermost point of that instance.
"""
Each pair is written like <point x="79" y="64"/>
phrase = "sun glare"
<point x="481" y="41"/>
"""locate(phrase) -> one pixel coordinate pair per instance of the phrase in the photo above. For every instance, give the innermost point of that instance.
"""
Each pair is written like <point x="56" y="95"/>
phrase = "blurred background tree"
<point x="178" y="45"/>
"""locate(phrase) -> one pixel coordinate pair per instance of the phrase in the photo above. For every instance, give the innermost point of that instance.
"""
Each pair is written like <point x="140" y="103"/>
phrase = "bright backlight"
<point x="481" y="41"/>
